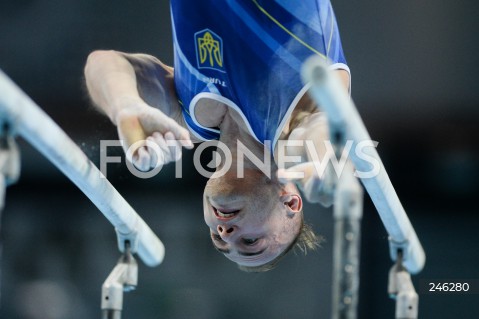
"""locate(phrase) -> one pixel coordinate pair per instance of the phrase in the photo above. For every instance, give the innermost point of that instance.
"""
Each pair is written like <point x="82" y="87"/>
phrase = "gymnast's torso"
<point x="246" y="55"/>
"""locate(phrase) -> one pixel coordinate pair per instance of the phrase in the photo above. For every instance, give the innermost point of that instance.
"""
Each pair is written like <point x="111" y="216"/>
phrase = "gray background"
<point x="413" y="66"/>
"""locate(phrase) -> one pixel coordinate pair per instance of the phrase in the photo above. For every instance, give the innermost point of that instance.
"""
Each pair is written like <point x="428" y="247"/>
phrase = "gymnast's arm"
<point x="314" y="128"/>
<point x="136" y="92"/>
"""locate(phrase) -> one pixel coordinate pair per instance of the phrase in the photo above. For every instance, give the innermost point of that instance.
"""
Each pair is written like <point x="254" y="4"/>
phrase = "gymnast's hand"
<point x="150" y="137"/>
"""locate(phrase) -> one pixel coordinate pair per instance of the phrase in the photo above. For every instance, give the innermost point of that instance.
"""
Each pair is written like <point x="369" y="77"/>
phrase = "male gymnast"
<point x="235" y="79"/>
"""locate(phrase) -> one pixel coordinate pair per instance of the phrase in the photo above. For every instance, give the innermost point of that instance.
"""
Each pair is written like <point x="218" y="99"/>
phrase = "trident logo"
<point x="209" y="50"/>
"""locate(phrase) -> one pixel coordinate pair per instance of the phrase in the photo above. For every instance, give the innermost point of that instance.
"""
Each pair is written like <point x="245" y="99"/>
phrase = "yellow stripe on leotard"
<point x="288" y="31"/>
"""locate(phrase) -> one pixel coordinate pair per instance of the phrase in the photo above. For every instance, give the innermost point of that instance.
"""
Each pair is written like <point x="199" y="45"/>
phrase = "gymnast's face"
<point x="252" y="220"/>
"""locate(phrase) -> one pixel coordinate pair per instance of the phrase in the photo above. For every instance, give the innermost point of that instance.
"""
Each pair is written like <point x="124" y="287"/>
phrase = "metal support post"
<point x="123" y="278"/>
<point x="401" y="289"/>
<point x="348" y="210"/>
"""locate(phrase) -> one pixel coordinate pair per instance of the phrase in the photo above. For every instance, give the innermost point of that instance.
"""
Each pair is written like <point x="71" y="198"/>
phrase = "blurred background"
<point x="414" y="81"/>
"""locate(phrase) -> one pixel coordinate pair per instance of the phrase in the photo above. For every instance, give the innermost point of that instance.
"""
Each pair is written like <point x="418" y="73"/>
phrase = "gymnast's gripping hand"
<point x="150" y="137"/>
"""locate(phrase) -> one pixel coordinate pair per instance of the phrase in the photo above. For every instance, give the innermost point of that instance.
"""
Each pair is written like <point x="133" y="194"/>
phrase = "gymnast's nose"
<point x="226" y="232"/>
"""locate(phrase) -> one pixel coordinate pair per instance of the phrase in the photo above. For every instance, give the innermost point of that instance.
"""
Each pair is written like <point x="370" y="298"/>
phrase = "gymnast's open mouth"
<point x="224" y="214"/>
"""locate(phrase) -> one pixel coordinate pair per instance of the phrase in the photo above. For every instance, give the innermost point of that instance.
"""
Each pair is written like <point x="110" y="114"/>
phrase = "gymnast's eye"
<point x="250" y="241"/>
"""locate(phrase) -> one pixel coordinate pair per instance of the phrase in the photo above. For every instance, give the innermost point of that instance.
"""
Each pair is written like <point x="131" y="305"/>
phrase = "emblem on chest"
<point x="209" y="50"/>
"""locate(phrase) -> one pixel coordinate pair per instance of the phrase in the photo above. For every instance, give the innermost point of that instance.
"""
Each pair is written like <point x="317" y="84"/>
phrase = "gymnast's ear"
<point x="293" y="204"/>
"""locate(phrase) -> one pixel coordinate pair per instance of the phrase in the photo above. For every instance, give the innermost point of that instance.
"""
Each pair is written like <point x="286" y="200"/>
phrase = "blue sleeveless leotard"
<point x="248" y="54"/>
